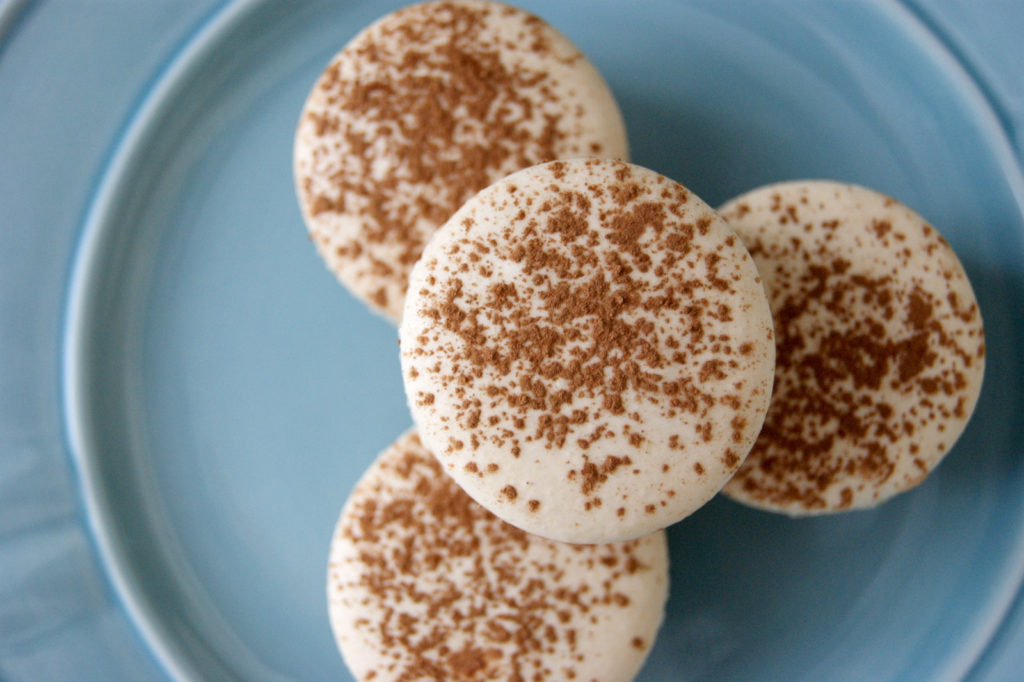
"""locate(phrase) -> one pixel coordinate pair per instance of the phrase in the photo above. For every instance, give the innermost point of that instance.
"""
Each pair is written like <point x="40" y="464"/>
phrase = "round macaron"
<point x="422" y="109"/>
<point x="423" y="583"/>
<point x="880" y="349"/>
<point x="587" y="348"/>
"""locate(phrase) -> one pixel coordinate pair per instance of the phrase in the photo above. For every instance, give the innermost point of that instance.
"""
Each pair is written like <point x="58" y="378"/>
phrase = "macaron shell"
<point x="588" y="350"/>
<point x="880" y="354"/>
<point x="425" y="583"/>
<point x="419" y="111"/>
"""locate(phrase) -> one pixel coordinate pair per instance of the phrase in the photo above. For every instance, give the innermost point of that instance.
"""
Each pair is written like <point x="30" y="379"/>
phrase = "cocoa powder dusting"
<point x="614" y="305"/>
<point x="852" y="337"/>
<point x="434" y="93"/>
<point x="461" y="594"/>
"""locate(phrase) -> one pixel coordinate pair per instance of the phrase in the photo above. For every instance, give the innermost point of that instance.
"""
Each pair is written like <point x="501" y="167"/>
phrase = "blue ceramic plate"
<point x="220" y="393"/>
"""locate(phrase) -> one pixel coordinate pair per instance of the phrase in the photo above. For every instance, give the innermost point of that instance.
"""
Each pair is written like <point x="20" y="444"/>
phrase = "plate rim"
<point x="1002" y="603"/>
<point x="87" y="248"/>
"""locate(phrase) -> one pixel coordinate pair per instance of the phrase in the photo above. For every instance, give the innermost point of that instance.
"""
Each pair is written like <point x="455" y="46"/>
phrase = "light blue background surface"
<point x="186" y="395"/>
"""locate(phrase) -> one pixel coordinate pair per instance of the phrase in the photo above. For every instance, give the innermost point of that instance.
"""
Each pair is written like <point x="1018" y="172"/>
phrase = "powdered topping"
<point x="424" y="583"/>
<point x="599" y="333"/>
<point x="880" y="346"/>
<point x="422" y="109"/>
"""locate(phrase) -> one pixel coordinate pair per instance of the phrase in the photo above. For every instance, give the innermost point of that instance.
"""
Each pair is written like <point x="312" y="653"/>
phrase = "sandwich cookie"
<point x="423" y="583"/>
<point x="880" y="347"/>
<point x="421" y="110"/>
<point x="587" y="348"/>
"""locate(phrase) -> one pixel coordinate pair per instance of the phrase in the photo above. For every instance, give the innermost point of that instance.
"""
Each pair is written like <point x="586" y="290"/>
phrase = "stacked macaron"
<point x="590" y="352"/>
<point x="587" y="348"/>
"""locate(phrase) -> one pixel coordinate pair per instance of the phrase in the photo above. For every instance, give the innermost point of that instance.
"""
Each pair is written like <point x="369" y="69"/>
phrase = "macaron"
<point x="880" y="347"/>
<point x="423" y="583"/>
<point x="588" y="350"/>
<point x="422" y="109"/>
